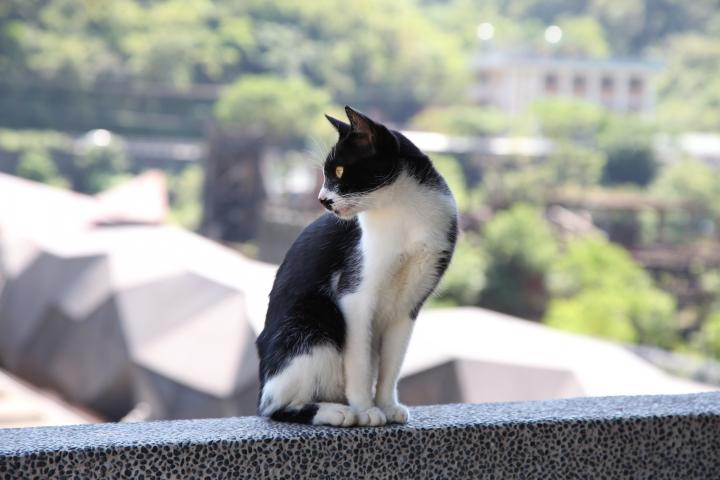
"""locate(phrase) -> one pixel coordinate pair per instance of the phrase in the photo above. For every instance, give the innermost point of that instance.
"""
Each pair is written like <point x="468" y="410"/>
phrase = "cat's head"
<point x="362" y="163"/>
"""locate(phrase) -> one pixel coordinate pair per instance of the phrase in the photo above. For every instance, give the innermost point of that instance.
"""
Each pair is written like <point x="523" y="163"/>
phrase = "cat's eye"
<point x="339" y="172"/>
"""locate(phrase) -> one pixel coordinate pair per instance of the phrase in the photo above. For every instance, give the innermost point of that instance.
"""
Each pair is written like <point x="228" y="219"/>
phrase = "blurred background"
<point x="158" y="157"/>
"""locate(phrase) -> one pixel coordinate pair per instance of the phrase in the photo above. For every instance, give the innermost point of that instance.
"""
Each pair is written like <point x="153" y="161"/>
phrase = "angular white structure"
<point x="118" y="316"/>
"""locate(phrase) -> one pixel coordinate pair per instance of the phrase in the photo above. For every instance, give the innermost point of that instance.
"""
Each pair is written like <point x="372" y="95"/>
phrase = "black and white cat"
<point x="345" y="298"/>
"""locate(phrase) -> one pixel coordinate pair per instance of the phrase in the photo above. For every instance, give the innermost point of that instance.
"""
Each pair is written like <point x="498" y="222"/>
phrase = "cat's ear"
<point x="363" y="129"/>
<point x="366" y="133"/>
<point x="359" y="122"/>
<point x="341" y="127"/>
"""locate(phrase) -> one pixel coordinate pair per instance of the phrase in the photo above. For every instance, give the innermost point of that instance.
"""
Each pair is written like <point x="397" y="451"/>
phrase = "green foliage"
<point x="707" y="339"/>
<point x="698" y="187"/>
<point x="598" y="289"/>
<point x="376" y="53"/>
<point x="174" y="42"/>
<point x="185" y="190"/>
<point x="627" y="143"/>
<point x="583" y="36"/>
<point x="524" y="181"/>
<point x="568" y="118"/>
<point x="100" y="167"/>
<point x="464" y="279"/>
<point x="20" y="140"/>
<point x="520" y="247"/>
<point x="693" y="182"/>
<point x="283" y="109"/>
<point x="688" y="88"/>
<point x="462" y="120"/>
<point x="37" y="165"/>
<point x="573" y="164"/>
<point x="385" y="56"/>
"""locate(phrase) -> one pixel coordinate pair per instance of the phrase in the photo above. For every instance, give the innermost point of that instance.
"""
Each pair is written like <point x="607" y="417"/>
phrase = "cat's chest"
<point x="403" y="236"/>
<point x="391" y="239"/>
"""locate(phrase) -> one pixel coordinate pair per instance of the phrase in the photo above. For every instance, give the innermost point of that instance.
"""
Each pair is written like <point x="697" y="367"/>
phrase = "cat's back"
<point x="322" y="248"/>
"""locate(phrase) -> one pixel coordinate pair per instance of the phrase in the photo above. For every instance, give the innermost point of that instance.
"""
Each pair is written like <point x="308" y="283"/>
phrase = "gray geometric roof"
<point x="109" y="317"/>
<point x="473" y="355"/>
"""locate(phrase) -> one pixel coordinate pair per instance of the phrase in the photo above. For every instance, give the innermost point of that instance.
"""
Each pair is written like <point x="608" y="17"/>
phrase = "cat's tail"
<point x="323" y="413"/>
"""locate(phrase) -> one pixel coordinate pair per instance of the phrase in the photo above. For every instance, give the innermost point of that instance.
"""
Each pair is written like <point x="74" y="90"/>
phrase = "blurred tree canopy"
<point x="105" y="60"/>
<point x="520" y="248"/>
<point x="36" y="164"/>
<point x="628" y="144"/>
<point x="465" y="278"/>
<point x="462" y="120"/>
<point x="569" y="118"/>
<point x="692" y="181"/>
<point x="597" y="288"/>
<point x="376" y="55"/>
<point x="282" y="109"/>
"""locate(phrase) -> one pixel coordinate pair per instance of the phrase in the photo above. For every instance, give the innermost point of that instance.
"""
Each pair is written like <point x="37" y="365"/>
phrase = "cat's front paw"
<point x="334" y="414"/>
<point x="396" y="413"/>
<point x="371" y="417"/>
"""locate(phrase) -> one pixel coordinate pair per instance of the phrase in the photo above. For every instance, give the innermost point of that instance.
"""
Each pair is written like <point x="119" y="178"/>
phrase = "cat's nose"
<point x="326" y="202"/>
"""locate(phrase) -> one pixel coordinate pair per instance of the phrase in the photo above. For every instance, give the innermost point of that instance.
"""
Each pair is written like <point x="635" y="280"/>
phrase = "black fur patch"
<point x="303" y="310"/>
<point x="303" y="415"/>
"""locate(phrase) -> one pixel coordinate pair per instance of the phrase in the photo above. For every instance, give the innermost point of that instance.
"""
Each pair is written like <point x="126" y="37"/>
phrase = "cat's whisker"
<point x="317" y="151"/>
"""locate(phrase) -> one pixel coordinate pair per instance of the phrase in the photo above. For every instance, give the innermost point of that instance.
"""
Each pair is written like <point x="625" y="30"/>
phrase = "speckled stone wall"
<point x="659" y="437"/>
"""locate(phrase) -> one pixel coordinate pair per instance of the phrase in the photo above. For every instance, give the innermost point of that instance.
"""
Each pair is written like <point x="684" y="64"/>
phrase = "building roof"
<point x="495" y="357"/>
<point x="22" y="405"/>
<point x="114" y="316"/>
<point x="37" y="209"/>
<point x="498" y="60"/>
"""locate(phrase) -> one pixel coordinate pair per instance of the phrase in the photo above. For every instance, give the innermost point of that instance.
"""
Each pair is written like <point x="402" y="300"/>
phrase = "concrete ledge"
<point x="613" y="437"/>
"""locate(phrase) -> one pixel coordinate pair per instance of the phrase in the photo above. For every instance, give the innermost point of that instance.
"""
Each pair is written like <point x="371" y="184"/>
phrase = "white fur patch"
<point x="307" y="377"/>
<point x="404" y="231"/>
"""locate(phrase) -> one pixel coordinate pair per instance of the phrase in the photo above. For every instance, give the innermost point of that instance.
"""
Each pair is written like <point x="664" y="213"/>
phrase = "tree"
<point x="573" y="164"/>
<point x="185" y="192"/>
<point x="36" y="164"/>
<point x="627" y="142"/>
<point x="598" y="289"/>
<point x="462" y="120"/>
<point x="520" y="248"/>
<point x="584" y="36"/>
<point x="464" y="279"/>
<point x="688" y="87"/>
<point x="101" y="163"/>
<point x="283" y="109"/>
<point x="698" y="185"/>
<point x="707" y="339"/>
<point x="569" y="119"/>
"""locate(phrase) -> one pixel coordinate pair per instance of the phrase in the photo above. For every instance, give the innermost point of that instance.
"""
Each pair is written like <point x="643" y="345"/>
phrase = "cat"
<point x="345" y="298"/>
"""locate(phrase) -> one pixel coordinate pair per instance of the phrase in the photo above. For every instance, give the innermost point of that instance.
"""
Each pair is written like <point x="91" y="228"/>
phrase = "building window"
<point x="607" y="85"/>
<point x="579" y="85"/>
<point x="636" y="86"/>
<point x="551" y="83"/>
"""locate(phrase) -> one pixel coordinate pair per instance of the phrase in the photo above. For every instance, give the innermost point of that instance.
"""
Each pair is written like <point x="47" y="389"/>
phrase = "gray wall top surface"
<point x="663" y="436"/>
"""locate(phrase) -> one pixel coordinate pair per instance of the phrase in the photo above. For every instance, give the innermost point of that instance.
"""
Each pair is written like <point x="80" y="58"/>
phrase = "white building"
<point x="511" y="82"/>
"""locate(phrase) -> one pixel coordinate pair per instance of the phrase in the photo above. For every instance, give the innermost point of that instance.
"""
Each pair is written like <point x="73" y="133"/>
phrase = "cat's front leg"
<point x="358" y="361"/>
<point x="394" y="344"/>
